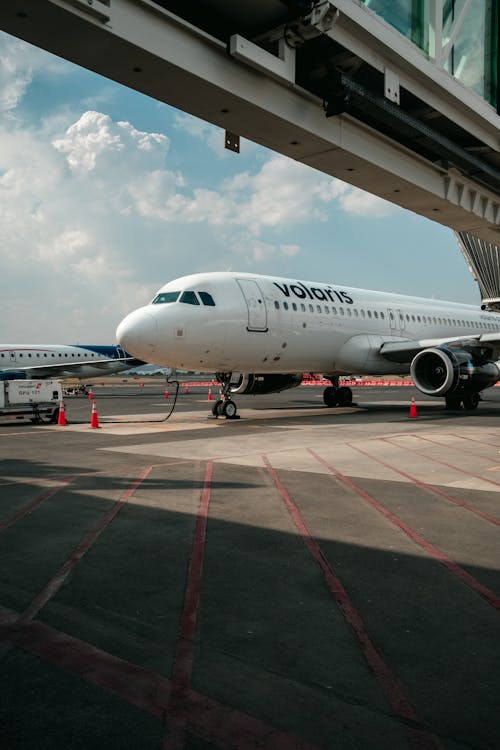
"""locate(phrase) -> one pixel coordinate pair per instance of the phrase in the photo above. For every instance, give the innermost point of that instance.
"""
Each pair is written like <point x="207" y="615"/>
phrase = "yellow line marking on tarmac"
<point x="494" y="468"/>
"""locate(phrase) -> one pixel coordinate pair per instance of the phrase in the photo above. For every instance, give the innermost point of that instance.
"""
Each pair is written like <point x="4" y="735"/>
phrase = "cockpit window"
<point x="207" y="299"/>
<point x="165" y="297"/>
<point x="189" y="298"/>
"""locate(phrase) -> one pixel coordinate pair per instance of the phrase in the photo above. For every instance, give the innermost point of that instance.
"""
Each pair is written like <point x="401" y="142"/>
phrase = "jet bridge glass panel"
<point x="472" y="27"/>
<point x="257" y="312"/>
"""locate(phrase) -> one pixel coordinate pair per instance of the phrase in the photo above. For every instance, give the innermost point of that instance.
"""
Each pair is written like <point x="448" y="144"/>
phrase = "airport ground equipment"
<point x="37" y="400"/>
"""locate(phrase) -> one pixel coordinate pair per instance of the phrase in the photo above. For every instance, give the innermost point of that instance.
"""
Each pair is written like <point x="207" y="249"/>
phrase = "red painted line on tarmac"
<point x="446" y="445"/>
<point x="146" y="690"/>
<point x="35" y="503"/>
<point x="489" y="596"/>
<point x="182" y="670"/>
<point x="445" y="463"/>
<point x="88" y="540"/>
<point x="429" y="487"/>
<point x="418" y="737"/>
<point x="475" y="440"/>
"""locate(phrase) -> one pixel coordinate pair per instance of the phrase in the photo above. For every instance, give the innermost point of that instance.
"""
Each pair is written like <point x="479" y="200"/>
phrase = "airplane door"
<point x="396" y="320"/>
<point x="392" y="320"/>
<point x="12" y="357"/>
<point x="257" y="312"/>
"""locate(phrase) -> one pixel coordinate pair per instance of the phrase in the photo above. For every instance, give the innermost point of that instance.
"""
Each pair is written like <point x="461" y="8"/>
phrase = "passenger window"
<point x="356" y="314"/>
<point x="375" y="313"/>
<point x="382" y="315"/>
<point x="207" y="299"/>
<point x="334" y="310"/>
<point x="276" y="304"/>
<point x="369" y="313"/>
<point x="285" y="305"/>
<point x="167" y="297"/>
<point x="311" y="308"/>
<point x="189" y="298"/>
<point x="318" y="308"/>
<point x="327" y="310"/>
<point x="341" y="309"/>
<point x="363" y="315"/>
<point x="302" y="307"/>
<point x="294" y="305"/>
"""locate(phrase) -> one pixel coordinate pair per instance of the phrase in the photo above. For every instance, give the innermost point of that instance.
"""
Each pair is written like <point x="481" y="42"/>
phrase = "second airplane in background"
<point x="259" y="334"/>
<point x="59" y="360"/>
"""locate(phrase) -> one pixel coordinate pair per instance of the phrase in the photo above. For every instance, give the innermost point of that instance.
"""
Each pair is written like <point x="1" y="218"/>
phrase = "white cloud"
<point x="96" y="141"/>
<point x="19" y="63"/>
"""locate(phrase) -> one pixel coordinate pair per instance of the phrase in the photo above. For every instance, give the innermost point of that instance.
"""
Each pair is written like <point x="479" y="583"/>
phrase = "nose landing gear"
<point x="225" y="406"/>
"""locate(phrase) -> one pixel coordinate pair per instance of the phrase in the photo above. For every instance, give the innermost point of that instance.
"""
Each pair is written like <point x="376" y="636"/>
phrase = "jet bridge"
<point x="483" y="260"/>
<point x="399" y="99"/>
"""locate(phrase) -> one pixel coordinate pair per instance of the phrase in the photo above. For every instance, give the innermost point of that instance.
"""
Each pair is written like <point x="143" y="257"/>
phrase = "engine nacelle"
<point x="13" y="375"/>
<point x="440" y="370"/>
<point x="260" y="384"/>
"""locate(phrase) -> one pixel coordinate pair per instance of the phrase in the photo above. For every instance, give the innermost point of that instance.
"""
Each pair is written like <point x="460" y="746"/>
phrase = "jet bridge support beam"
<point x="259" y="94"/>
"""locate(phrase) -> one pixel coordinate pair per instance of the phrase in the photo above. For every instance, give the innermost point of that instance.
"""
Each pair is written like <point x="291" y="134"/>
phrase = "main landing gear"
<point x="335" y="395"/>
<point x="470" y="402"/>
<point x="225" y="406"/>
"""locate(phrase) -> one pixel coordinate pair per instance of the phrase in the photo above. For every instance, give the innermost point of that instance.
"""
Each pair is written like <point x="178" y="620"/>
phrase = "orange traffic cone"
<point x="413" y="408"/>
<point x="61" y="417"/>
<point x="94" y="419"/>
<point x="209" y="394"/>
<point x="166" y="392"/>
<point x="186" y="390"/>
<point x="90" y="394"/>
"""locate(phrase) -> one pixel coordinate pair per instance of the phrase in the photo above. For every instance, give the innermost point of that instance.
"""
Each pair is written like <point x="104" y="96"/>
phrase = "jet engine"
<point x="13" y="375"/>
<point x="260" y="384"/>
<point x="442" y="371"/>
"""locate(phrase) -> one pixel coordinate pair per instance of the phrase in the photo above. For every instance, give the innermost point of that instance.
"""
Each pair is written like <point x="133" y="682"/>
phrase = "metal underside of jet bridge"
<point x="333" y="84"/>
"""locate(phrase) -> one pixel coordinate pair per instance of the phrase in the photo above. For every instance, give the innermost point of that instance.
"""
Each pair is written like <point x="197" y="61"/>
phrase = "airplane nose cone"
<point x="138" y="334"/>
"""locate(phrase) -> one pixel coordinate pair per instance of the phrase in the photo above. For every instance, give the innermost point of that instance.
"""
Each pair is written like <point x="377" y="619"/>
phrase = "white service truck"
<point x="37" y="400"/>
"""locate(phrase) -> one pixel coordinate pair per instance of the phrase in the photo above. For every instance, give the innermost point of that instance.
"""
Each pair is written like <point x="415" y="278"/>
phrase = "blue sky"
<point x="106" y="194"/>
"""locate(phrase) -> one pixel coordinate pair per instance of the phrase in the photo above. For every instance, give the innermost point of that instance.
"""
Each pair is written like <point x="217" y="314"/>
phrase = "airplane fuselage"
<point x="225" y="322"/>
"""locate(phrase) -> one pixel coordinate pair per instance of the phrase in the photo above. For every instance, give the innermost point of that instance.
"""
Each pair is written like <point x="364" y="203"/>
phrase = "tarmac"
<point x="299" y="578"/>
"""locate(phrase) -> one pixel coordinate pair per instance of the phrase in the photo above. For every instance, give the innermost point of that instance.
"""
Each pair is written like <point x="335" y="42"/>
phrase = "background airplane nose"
<point x="138" y="334"/>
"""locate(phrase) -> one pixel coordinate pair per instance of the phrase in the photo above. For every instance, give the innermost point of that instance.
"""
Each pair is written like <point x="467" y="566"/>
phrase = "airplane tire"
<point x="471" y="401"/>
<point x="330" y="396"/>
<point x="229" y="409"/>
<point x="217" y="408"/>
<point x="344" y="396"/>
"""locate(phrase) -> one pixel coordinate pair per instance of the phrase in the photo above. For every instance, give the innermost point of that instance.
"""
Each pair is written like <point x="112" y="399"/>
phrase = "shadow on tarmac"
<point x="271" y="641"/>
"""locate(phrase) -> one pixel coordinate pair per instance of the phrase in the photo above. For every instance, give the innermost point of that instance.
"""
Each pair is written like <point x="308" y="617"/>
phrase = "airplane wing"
<point x="74" y="369"/>
<point x="404" y="350"/>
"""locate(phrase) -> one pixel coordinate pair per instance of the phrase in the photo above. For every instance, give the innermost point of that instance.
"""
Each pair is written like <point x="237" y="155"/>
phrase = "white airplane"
<point x="260" y="333"/>
<point x="58" y="360"/>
